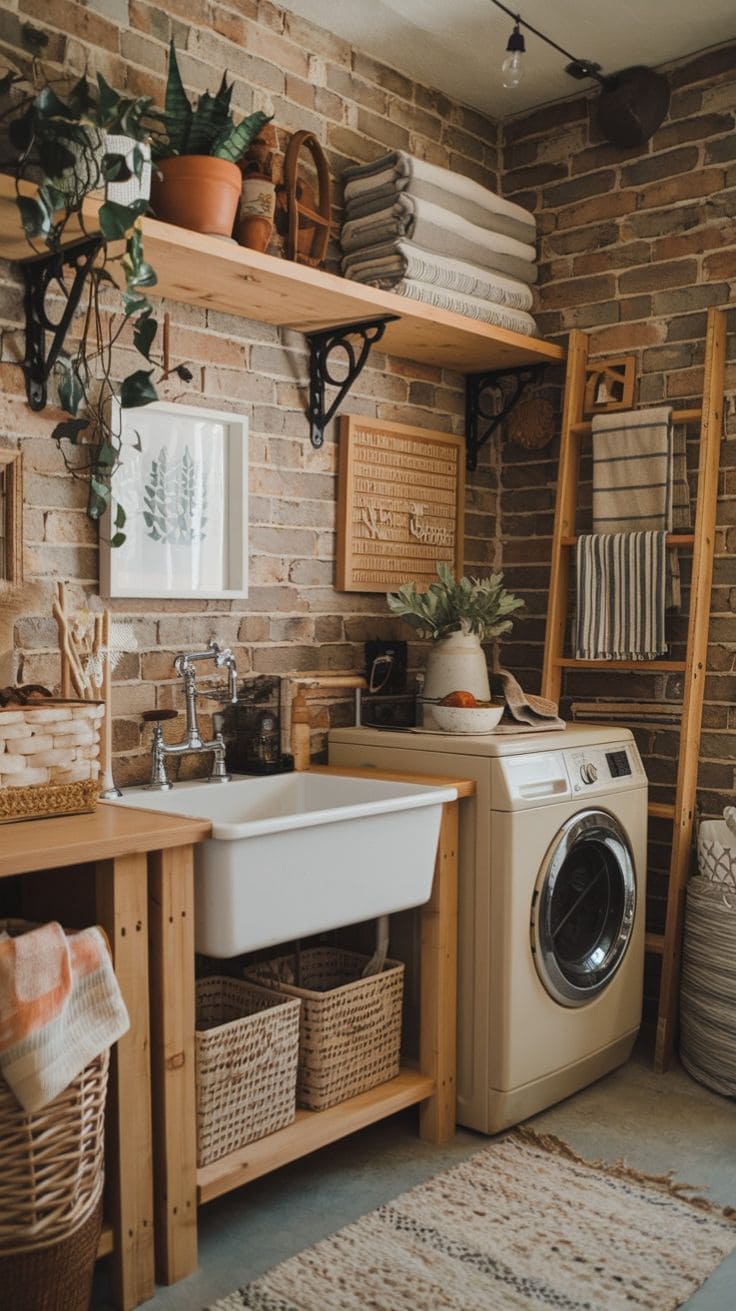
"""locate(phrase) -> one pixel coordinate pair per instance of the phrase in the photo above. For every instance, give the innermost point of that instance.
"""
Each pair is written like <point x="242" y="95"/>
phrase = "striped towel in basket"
<point x="620" y="596"/>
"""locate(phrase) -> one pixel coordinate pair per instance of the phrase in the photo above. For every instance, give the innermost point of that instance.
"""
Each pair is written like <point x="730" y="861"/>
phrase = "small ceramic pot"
<point x="254" y="231"/>
<point x="197" y="192"/>
<point x="258" y="202"/>
<point x="133" y="188"/>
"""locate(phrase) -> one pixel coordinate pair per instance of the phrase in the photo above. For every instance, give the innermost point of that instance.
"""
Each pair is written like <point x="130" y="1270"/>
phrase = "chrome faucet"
<point x="193" y="741"/>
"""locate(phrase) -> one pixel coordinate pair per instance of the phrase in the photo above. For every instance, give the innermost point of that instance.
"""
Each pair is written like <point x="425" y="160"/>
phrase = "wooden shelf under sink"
<point x="220" y="275"/>
<point x="310" y="1131"/>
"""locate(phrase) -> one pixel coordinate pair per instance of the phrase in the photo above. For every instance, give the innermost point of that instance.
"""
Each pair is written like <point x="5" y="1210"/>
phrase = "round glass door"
<point x="583" y="907"/>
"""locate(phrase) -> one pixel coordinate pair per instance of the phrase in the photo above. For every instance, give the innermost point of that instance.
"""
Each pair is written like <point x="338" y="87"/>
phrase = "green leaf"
<point x="69" y="430"/>
<point x="107" y="100"/>
<point x="34" y="216"/>
<point x="48" y="105"/>
<point x="99" y="495"/>
<point x="137" y="389"/>
<point x="120" y="516"/>
<point x="143" y="276"/>
<point x="114" y="168"/>
<point x="211" y="118"/>
<point x="144" y="332"/>
<point x="234" y="141"/>
<point x="132" y="303"/>
<point x="116" y="220"/>
<point x="117" y="539"/>
<point x="178" y="111"/>
<point x="71" y="391"/>
<point x="21" y="130"/>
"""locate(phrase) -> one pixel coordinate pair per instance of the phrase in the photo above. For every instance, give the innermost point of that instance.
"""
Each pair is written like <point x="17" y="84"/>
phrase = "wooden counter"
<point x="117" y="842"/>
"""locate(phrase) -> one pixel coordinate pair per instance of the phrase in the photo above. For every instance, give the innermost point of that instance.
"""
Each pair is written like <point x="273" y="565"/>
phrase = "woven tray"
<point x="350" y="1032"/>
<point x="247" y="1045"/>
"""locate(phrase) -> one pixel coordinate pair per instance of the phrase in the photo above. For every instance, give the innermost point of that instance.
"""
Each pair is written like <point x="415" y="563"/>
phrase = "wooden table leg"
<point x="438" y="988"/>
<point x="171" y="913"/>
<point x="121" y="895"/>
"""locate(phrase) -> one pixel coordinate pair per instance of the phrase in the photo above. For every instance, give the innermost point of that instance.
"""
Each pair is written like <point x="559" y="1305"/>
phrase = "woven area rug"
<point x="524" y="1224"/>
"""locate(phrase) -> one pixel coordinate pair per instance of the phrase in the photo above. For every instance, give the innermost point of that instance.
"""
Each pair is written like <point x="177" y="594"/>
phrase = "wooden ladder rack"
<point x="702" y="541"/>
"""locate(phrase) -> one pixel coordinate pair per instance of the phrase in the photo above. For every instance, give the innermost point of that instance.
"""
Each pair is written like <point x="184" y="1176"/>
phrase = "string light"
<point x="512" y="66"/>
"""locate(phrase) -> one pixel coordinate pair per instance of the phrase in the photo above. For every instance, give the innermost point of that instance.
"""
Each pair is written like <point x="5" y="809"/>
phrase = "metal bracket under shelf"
<point x="321" y="346"/>
<point x="38" y="275"/>
<point x="480" y="422"/>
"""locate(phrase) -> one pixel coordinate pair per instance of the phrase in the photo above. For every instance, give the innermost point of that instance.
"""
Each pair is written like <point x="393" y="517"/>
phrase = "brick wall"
<point x="293" y="619"/>
<point x="634" y="246"/>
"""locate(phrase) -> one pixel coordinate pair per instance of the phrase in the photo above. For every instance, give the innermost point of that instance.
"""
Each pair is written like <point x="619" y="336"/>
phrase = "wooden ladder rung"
<point x="642" y="666"/>
<point x="654" y="943"/>
<point x="672" y="540"/>
<point x="678" y="416"/>
<point x="661" y="810"/>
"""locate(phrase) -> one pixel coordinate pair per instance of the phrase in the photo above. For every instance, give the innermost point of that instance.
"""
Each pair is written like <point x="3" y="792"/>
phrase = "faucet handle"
<point x="158" y="716"/>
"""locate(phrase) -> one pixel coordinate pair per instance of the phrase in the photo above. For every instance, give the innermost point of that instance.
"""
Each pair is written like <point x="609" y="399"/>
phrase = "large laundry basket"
<point x="51" y="1178"/>
<point x="708" y="991"/>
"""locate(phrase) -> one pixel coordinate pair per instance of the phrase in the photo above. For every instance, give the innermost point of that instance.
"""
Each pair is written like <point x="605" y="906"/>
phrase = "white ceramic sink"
<point x="300" y="853"/>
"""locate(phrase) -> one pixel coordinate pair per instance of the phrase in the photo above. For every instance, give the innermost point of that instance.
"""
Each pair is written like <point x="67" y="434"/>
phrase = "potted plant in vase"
<point x="457" y="615"/>
<point x="197" y="182"/>
<point x="58" y="132"/>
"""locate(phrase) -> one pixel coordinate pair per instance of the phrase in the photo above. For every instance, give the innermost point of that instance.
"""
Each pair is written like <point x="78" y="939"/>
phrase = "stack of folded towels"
<point x="436" y="236"/>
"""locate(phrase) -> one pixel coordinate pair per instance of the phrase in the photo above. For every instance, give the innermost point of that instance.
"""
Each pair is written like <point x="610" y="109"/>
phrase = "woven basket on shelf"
<point x="49" y="758"/>
<point x="247" y="1044"/>
<point x="350" y="1033"/>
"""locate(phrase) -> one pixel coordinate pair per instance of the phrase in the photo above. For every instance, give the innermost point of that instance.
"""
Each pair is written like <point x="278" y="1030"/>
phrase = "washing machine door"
<point x="583" y="907"/>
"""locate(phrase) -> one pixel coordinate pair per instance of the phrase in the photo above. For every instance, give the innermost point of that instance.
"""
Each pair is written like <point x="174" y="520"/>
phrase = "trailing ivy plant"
<point x="57" y="132"/>
<point x="206" y="129"/>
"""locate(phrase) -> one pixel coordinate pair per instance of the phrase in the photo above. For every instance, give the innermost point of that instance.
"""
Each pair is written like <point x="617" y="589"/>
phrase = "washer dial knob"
<point x="588" y="772"/>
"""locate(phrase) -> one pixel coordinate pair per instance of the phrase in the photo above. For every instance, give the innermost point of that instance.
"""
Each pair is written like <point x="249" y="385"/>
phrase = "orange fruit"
<point x="464" y="699"/>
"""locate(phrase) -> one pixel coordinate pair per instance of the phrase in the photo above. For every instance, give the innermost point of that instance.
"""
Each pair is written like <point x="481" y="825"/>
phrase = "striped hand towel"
<point x="640" y="479"/>
<point x="620" y="596"/>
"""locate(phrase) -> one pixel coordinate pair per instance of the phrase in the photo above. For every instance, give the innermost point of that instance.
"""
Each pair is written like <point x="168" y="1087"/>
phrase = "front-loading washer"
<point x="551" y="905"/>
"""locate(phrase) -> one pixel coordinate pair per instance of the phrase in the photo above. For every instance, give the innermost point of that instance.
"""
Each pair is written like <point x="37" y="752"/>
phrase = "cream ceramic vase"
<point x="456" y="663"/>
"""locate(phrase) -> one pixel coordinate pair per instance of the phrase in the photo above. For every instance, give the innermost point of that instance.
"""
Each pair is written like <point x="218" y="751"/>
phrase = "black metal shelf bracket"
<point x="488" y="402"/>
<point x="38" y="275"/>
<point x="321" y="346"/>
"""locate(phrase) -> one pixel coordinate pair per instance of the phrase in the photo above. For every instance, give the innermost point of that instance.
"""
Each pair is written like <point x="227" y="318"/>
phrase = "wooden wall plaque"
<point x="400" y="504"/>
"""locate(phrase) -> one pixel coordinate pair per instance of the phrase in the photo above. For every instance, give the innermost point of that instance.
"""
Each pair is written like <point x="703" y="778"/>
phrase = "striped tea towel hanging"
<point x="620" y="596"/>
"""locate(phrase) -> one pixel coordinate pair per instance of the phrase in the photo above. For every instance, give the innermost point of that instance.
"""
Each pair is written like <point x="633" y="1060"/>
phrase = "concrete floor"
<point x="656" y="1123"/>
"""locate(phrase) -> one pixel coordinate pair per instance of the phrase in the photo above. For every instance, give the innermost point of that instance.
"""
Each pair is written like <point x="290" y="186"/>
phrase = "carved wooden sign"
<point x="400" y="504"/>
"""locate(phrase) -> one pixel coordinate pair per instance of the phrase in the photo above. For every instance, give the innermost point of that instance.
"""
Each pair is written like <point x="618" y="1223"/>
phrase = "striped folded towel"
<point x="620" y="596"/>
<point x="640" y="479"/>
<point x="60" y="1006"/>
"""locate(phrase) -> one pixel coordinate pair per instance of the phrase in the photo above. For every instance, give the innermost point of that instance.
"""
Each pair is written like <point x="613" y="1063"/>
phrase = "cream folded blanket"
<point x="397" y="261"/>
<point x="60" y="1006"/>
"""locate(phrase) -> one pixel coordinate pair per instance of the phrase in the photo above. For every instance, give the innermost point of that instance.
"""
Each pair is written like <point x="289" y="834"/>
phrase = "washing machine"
<point x="551" y="905"/>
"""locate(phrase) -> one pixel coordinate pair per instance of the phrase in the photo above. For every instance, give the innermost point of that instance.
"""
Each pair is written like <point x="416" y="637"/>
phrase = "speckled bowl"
<point x="463" y="719"/>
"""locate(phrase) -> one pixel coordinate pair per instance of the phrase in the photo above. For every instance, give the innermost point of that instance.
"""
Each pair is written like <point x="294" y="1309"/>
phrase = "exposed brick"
<point x="654" y="276"/>
<point x="684" y="187"/>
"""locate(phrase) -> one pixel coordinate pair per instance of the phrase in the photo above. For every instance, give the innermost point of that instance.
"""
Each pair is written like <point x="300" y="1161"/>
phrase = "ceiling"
<point x="457" y="47"/>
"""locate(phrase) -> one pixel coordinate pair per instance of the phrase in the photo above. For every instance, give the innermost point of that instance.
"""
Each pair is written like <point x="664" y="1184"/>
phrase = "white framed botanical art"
<point x="183" y="483"/>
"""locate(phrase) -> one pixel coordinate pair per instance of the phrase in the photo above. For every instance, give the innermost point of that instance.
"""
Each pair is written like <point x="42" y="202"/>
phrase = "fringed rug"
<point x="524" y="1224"/>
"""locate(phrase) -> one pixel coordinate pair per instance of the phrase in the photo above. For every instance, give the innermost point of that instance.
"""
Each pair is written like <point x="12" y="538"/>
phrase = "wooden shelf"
<point x="661" y="810"/>
<point x="220" y="275"/>
<point x="310" y="1131"/>
<point x="637" y="666"/>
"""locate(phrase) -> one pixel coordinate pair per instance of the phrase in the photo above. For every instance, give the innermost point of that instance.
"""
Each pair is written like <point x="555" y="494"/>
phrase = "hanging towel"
<point x="399" y="171"/>
<point x="640" y="479"/>
<point x="60" y="1006"/>
<point x="620" y="596"/>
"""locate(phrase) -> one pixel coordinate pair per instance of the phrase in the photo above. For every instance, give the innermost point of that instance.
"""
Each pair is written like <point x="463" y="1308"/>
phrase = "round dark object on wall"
<point x="632" y="104"/>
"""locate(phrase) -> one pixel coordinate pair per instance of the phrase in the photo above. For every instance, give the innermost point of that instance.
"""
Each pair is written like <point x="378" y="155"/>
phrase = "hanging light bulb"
<point x="512" y="68"/>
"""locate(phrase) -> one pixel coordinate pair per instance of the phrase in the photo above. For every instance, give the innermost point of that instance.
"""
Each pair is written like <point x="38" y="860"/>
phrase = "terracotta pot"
<point x="197" y="192"/>
<point x="254" y="231"/>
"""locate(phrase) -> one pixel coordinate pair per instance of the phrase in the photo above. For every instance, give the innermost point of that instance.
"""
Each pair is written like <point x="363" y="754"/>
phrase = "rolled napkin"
<point x="525" y="712"/>
<point x="60" y="1006"/>
<point x="400" y="172"/>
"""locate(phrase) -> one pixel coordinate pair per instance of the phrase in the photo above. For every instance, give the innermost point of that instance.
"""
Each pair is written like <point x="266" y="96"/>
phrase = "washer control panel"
<point x="595" y="769"/>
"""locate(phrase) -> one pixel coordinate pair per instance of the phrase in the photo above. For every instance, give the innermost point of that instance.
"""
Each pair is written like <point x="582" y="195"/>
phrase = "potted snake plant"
<point x="197" y="182"/>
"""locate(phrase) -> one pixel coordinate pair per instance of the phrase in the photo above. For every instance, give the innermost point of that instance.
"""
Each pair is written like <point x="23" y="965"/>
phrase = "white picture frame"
<point x="183" y="483"/>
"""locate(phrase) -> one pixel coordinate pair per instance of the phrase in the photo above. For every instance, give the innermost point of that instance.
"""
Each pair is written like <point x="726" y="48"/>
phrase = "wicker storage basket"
<point x="717" y="853"/>
<point x="247" y="1045"/>
<point x="350" y="1033"/>
<point x="48" y="758"/>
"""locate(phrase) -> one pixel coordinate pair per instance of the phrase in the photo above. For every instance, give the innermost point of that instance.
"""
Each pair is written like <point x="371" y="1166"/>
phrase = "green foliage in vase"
<point x="206" y="129"/>
<point x="467" y="605"/>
